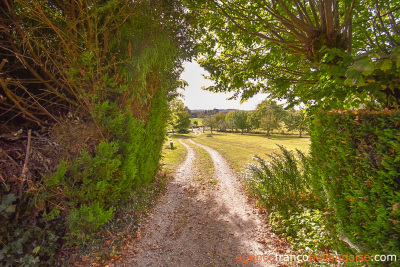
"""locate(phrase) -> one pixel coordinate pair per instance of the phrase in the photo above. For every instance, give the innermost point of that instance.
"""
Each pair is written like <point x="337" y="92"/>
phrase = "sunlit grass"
<point x="172" y="158"/>
<point x="239" y="149"/>
<point x="204" y="167"/>
<point x="199" y="121"/>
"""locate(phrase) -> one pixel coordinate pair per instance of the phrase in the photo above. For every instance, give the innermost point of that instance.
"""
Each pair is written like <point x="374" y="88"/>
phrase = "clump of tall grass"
<point x="282" y="182"/>
<point x="282" y="185"/>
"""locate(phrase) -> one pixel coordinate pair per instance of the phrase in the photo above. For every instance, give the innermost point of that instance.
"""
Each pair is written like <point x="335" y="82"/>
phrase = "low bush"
<point x="282" y="182"/>
<point x="183" y="131"/>
<point x="282" y="185"/>
<point x="305" y="229"/>
<point x="84" y="192"/>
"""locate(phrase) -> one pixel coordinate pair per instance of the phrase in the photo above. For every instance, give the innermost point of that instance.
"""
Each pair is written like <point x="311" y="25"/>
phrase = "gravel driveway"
<point x="193" y="226"/>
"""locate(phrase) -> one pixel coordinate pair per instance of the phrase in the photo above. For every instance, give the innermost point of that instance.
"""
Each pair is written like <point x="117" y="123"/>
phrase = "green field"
<point x="239" y="149"/>
<point x="236" y="148"/>
<point x="199" y="121"/>
<point x="171" y="158"/>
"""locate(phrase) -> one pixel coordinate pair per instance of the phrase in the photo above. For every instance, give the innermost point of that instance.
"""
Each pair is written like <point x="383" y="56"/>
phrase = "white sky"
<point x="196" y="98"/>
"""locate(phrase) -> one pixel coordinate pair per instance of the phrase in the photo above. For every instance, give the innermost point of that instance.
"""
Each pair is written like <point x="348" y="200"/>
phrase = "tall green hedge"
<point x="357" y="170"/>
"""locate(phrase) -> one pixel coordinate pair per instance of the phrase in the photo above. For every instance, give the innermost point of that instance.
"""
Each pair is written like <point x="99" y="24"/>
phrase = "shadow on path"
<point x="193" y="226"/>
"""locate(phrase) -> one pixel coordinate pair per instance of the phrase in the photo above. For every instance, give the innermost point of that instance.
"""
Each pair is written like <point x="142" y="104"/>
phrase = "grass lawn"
<point x="204" y="167"/>
<point x="239" y="149"/>
<point x="199" y="121"/>
<point x="172" y="158"/>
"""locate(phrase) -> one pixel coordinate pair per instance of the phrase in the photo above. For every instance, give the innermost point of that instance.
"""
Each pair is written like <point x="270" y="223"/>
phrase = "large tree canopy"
<point x="325" y="52"/>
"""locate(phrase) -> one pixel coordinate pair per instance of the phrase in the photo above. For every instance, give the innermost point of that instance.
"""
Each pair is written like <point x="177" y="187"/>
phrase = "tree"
<point x="220" y="121"/>
<point x="329" y="53"/>
<point x="296" y="120"/>
<point x="240" y="120"/>
<point x="229" y="119"/>
<point x="210" y="121"/>
<point x="270" y="115"/>
<point x="253" y="120"/>
<point x="180" y="117"/>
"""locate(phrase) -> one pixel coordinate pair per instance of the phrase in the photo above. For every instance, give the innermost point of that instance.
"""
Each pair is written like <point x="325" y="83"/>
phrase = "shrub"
<point x="282" y="182"/>
<point x="283" y="187"/>
<point x="87" y="219"/>
<point x="356" y="162"/>
<point x="96" y="184"/>
<point x="183" y="131"/>
<point x="306" y="229"/>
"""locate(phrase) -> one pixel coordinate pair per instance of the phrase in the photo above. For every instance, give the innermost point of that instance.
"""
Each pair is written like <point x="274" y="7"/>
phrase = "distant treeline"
<point x="201" y="113"/>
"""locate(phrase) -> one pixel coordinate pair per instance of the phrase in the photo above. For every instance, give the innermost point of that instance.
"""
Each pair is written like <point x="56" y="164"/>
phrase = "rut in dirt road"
<point x="193" y="226"/>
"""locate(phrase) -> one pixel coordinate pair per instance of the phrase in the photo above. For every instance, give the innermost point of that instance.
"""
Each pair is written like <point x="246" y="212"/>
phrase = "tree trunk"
<point x="300" y="134"/>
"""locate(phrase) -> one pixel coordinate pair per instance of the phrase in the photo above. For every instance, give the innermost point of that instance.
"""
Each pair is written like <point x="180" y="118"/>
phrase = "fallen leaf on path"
<point x="261" y="240"/>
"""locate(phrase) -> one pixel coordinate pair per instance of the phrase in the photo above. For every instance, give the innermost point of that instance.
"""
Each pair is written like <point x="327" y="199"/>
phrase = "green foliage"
<point x="197" y="122"/>
<point x="58" y="176"/>
<point x="6" y="205"/>
<point x="210" y="121"/>
<point x="98" y="183"/>
<point x="25" y="245"/>
<point x="282" y="182"/>
<point x="306" y="229"/>
<point x="376" y="73"/>
<point x="183" y="131"/>
<point x="297" y="121"/>
<point x="88" y="219"/>
<point x="356" y="171"/>
<point x="239" y="119"/>
<point x="229" y="119"/>
<point x="282" y="185"/>
<point x="301" y="50"/>
<point x="180" y="117"/>
<point x="116" y="65"/>
<point x="253" y="119"/>
<point x="268" y="116"/>
<point x="220" y="119"/>
<point x="97" y="175"/>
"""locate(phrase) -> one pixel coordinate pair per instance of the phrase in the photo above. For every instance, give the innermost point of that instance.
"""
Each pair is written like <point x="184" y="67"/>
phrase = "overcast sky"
<point x="196" y="98"/>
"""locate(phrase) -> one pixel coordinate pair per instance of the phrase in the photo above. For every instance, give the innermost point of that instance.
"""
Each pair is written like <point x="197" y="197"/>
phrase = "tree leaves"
<point x="377" y="74"/>
<point x="304" y="51"/>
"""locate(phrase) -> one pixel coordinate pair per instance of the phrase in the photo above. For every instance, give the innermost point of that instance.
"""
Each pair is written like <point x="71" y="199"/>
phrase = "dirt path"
<point x="193" y="226"/>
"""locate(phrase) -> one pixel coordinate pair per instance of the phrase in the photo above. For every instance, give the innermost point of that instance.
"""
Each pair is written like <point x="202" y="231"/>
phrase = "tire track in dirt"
<point x="193" y="226"/>
<point x="248" y="226"/>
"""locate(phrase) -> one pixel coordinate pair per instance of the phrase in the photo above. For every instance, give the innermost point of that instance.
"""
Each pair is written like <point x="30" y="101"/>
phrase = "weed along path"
<point x="204" y="220"/>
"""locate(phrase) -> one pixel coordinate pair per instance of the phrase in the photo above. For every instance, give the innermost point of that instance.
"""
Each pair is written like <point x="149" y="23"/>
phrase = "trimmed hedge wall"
<point x="356" y="157"/>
